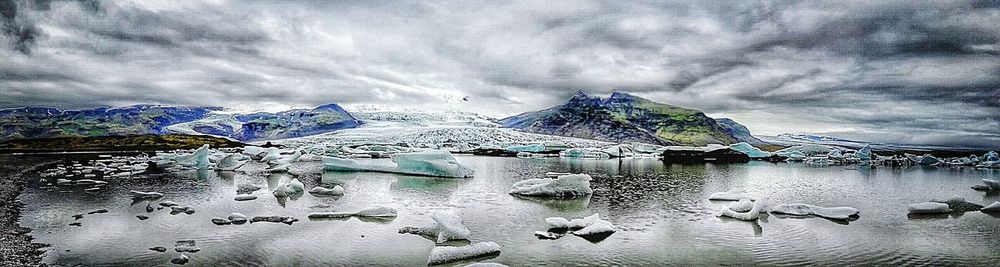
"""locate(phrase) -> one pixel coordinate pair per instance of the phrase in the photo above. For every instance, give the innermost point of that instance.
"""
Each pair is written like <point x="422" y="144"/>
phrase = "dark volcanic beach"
<point x="16" y="246"/>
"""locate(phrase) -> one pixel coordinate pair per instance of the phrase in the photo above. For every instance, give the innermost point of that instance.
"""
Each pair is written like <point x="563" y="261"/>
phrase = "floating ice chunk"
<point x="750" y="150"/>
<point x="330" y="215"/>
<point x="237" y="218"/>
<point x="585" y="153"/>
<point x="555" y="174"/>
<point x="282" y="190"/>
<point x="563" y="186"/>
<point x="376" y="211"/>
<point x="427" y="163"/>
<point x="804" y="151"/>
<point x="835" y="154"/>
<point x="995" y="207"/>
<point x="186" y="246"/>
<point x="180" y="259"/>
<point x="275" y="219"/>
<point x="272" y="154"/>
<point x="335" y="191"/>
<point x="230" y="162"/>
<point x="619" y="151"/>
<point x="174" y="210"/>
<point x="168" y="203"/>
<point x="865" y="153"/>
<point x="296" y="186"/>
<point x="283" y="168"/>
<point x="836" y="213"/>
<point x="431" y="163"/>
<point x="732" y="195"/>
<point x="597" y="227"/>
<point x="743" y="205"/>
<point x="198" y="159"/>
<point x="145" y="195"/>
<point x="958" y="204"/>
<point x="991" y="156"/>
<point x="548" y="235"/>
<point x="244" y="197"/>
<point x="759" y="206"/>
<point x="928" y="160"/>
<point x="444" y="254"/>
<point x="447" y="226"/>
<point x="557" y="222"/>
<point x="220" y="221"/>
<point x="929" y="208"/>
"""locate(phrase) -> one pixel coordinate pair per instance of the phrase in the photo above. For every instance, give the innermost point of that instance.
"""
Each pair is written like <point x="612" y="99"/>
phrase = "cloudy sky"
<point x="897" y="71"/>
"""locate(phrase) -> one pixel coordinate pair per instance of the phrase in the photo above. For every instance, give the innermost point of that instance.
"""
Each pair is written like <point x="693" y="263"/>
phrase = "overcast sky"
<point x="900" y="71"/>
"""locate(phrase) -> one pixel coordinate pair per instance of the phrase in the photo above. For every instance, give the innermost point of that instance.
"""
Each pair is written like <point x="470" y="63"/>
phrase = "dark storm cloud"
<point x="925" y="72"/>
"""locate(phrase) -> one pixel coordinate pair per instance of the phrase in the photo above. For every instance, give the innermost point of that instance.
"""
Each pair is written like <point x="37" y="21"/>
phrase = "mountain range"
<point x="623" y="117"/>
<point x="45" y="122"/>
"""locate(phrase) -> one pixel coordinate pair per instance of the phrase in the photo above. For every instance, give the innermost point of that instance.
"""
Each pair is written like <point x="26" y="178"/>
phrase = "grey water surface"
<point x="661" y="211"/>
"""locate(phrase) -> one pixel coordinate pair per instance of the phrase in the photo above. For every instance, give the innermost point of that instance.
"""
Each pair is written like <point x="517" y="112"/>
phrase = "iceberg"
<point x="563" y="186"/>
<point x="619" y="151"/>
<point x="750" y="150"/>
<point x="759" y="206"/>
<point x="244" y="197"/>
<point x="376" y="211"/>
<point x="836" y="213"/>
<point x="444" y="254"/>
<point x="145" y="195"/>
<point x="296" y="186"/>
<point x="991" y="156"/>
<point x="731" y="195"/>
<point x="796" y="156"/>
<point x="835" y="154"/>
<point x="447" y="226"/>
<point x="598" y="227"/>
<point x="805" y="150"/>
<point x="198" y="159"/>
<point x="434" y="163"/>
<point x="929" y="208"/>
<point x="928" y="160"/>
<point x="865" y="153"/>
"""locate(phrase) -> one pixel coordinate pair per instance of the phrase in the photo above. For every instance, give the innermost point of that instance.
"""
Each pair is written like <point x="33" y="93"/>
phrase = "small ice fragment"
<point x="993" y="184"/>
<point x="929" y="208"/>
<point x="296" y="186"/>
<point x="557" y="222"/>
<point x="244" y="197"/>
<point x="596" y="228"/>
<point x="168" y="203"/>
<point x="548" y="235"/>
<point x="220" y="221"/>
<point x="180" y="259"/>
<point x="274" y="219"/>
<point x="330" y="215"/>
<point x="444" y="254"/>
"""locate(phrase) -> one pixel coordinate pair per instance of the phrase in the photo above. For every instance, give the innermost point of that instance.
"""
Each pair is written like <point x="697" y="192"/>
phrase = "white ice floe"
<point x="836" y="213"/>
<point x="376" y="211"/>
<point x="435" y="163"/>
<point x="732" y="195"/>
<point x="296" y="186"/>
<point x="445" y="254"/>
<point x="563" y="186"/>
<point x="584" y="153"/>
<point x="760" y="205"/>
<point x="447" y="226"/>
<point x="335" y="191"/>
<point x="929" y="208"/>
<point x="485" y="264"/>
<point x="590" y="225"/>
<point x="995" y="207"/>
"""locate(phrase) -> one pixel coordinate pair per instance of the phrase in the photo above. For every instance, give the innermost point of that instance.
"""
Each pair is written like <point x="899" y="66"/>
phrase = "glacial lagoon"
<point x="661" y="212"/>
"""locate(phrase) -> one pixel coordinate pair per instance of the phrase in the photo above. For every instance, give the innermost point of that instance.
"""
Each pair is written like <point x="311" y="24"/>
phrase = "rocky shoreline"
<point x="16" y="245"/>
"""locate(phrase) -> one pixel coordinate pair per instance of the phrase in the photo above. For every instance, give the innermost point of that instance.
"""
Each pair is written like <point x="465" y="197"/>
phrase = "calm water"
<point x="661" y="210"/>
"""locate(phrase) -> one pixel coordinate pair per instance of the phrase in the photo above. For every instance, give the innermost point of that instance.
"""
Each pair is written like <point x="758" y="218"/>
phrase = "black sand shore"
<point x="16" y="246"/>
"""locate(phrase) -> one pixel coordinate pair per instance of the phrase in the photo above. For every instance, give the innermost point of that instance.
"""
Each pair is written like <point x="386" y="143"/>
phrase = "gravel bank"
<point x="16" y="246"/>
